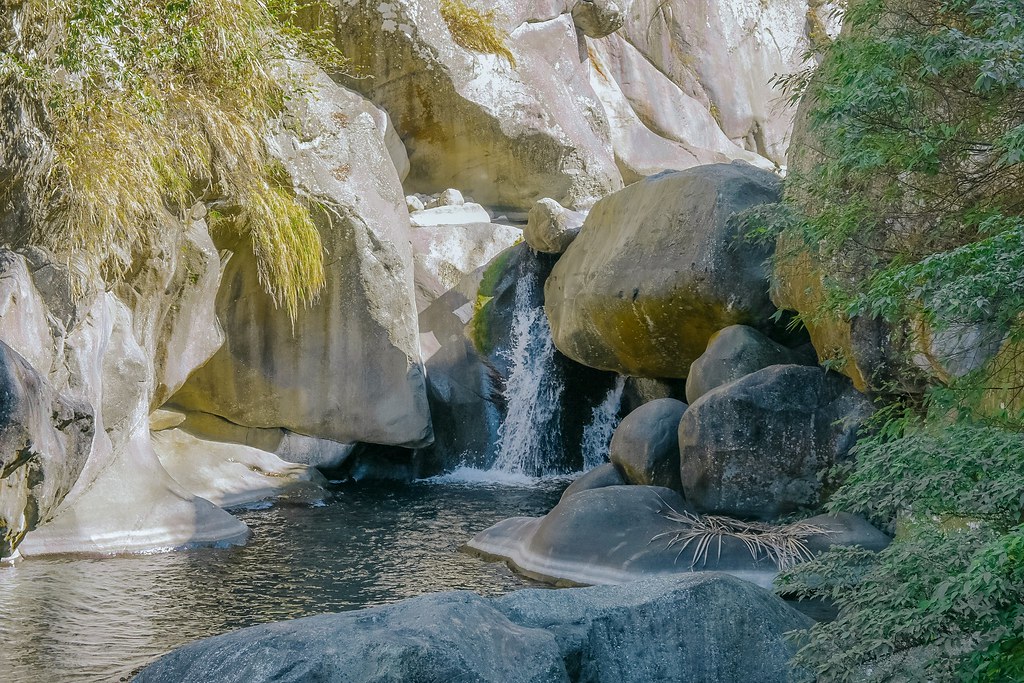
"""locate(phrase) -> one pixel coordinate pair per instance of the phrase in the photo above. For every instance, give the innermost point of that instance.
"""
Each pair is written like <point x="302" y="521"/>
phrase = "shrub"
<point x="475" y="30"/>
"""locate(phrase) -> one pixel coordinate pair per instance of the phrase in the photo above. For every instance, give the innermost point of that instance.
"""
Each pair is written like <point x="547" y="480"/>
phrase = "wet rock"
<point x="45" y="440"/>
<point x="755" y="447"/>
<point x="645" y="446"/>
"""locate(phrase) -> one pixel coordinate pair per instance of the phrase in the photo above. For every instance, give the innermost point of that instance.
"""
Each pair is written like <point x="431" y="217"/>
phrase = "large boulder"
<point x="732" y="353"/>
<point x="647" y="631"/>
<point x="658" y="268"/>
<point x="506" y="129"/>
<point x="445" y="254"/>
<point x="598" y="478"/>
<point x="756" y="447"/>
<point x="646" y="444"/>
<point x="348" y="367"/>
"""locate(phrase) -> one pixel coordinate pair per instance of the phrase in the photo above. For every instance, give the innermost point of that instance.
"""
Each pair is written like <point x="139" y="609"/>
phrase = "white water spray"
<point x="597" y="435"/>
<point x="528" y="438"/>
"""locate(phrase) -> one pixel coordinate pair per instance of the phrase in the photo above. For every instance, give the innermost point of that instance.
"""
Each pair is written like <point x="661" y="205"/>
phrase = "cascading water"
<point x="597" y="435"/>
<point x="528" y="439"/>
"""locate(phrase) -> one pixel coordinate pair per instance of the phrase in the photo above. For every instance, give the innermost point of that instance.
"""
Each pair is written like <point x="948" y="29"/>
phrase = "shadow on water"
<point x="100" y="619"/>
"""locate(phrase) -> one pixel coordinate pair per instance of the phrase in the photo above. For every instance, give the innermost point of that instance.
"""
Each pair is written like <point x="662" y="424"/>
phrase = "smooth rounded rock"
<point x="756" y="447"/>
<point x="658" y="268"/>
<point x="645" y="445"/>
<point x="599" y="477"/>
<point x="734" y="352"/>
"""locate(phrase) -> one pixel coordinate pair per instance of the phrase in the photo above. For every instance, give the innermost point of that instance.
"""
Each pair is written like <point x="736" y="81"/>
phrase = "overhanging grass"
<point x="148" y="105"/>
<point x="475" y="30"/>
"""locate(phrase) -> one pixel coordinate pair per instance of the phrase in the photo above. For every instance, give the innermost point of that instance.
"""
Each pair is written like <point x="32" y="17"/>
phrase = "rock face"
<point x="658" y="269"/>
<point x="120" y="353"/>
<point x="733" y="353"/>
<point x="597" y="18"/>
<point x="232" y="474"/>
<point x="755" y="447"/>
<point x="507" y="132"/>
<point x="733" y="52"/>
<point x="45" y="441"/>
<point x="349" y="367"/>
<point x="551" y="227"/>
<point x="646" y="446"/>
<point x="647" y="631"/>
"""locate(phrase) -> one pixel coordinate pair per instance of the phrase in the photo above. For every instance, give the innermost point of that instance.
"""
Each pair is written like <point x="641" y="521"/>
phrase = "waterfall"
<point x="597" y="435"/>
<point x="528" y="439"/>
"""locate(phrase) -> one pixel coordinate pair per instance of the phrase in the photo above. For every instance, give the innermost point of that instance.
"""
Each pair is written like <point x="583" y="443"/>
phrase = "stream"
<point x="66" y="619"/>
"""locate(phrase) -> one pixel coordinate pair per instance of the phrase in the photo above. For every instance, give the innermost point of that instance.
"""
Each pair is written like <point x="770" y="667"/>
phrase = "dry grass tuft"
<point x="145" y="106"/>
<point x="782" y="544"/>
<point x="475" y="30"/>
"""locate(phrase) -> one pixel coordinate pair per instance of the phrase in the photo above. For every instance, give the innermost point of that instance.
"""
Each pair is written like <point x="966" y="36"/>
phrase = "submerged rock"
<point x="658" y="268"/>
<point x="646" y="444"/>
<point x="756" y="447"/>
<point x="647" y="631"/>
<point x="733" y="353"/>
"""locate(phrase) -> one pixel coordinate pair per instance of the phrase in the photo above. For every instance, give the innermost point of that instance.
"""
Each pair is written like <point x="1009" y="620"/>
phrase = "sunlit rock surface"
<point x="660" y="630"/>
<point x="658" y="268"/>
<point x="232" y="474"/>
<point x="120" y="352"/>
<point x="348" y="369"/>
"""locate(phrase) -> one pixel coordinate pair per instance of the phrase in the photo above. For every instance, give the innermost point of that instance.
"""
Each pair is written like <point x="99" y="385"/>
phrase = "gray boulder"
<point x="698" y="628"/>
<point x="597" y="478"/>
<point x="433" y="639"/>
<point x="646" y="631"/>
<point x="551" y="228"/>
<point x="734" y="352"/>
<point x="658" y="268"/>
<point x="755" y="447"/>
<point x="45" y="441"/>
<point x="646" y="444"/>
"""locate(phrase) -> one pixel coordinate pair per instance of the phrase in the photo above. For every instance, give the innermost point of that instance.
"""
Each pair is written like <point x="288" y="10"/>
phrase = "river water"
<point x="101" y="619"/>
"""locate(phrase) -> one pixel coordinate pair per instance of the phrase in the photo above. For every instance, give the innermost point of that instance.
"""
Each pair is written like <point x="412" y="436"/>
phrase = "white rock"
<point x="232" y="474"/>
<point x="551" y="227"/>
<point x="450" y="215"/>
<point x="414" y="203"/>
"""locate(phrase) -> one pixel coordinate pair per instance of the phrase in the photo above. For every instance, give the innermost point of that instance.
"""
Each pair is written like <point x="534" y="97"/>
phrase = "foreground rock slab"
<point x="618" y="534"/>
<point x="647" y="631"/>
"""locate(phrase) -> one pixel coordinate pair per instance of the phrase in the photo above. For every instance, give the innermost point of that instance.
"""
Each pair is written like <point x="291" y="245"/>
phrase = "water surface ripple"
<point x="69" y="619"/>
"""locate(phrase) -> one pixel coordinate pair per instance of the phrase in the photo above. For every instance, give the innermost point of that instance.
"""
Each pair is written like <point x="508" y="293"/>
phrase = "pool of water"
<point x="69" y="619"/>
